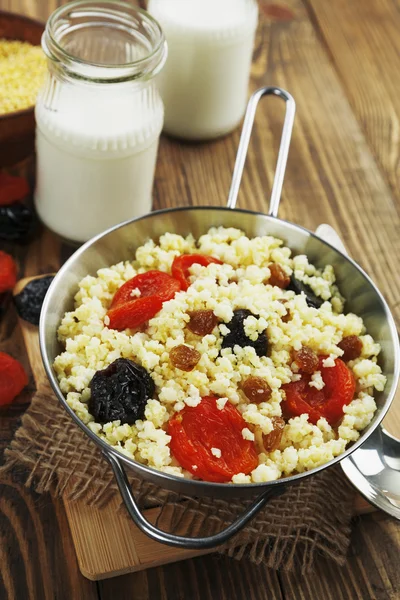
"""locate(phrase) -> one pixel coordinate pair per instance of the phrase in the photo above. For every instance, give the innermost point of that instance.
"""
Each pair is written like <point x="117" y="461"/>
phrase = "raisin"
<point x="256" y="389"/>
<point x="184" y="357"/>
<point x="278" y="278"/>
<point x="272" y="440"/>
<point x="120" y="392"/>
<point x="288" y="316"/>
<point x="238" y="337"/>
<point x="298" y="287"/>
<point x="202" y="322"/>
<point x="306" y="359"/>
<point x="351" y="346"/>
<point x="17" y="222"/>
<point x="29" y="301"/>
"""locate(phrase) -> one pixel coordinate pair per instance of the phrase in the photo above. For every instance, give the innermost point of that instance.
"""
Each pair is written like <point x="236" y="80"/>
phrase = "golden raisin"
<point x="202" y="322"/>
<point x="278" y="277"/>
<point x="306" y="359"/>
<point x="351" y="346"/>
<point x="272" y="440"/>
<point x="184" y="357"/>
<point x="256" y="389"/>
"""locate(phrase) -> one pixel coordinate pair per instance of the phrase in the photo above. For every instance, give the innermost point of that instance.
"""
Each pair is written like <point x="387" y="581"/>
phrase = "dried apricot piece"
<point x="197" y="430"/>
<point x="8" y="272"/>
<point x="135" y="313"/>
<point x="202" y="322"/>
<point x="12" y="189"/>
<point x="256" y="389"/>
<point x="272" y="440"/>
<point x="184" y="357"/>
<point x="181" y="265"/>
<point x="13" y="378"/>
<point x="150" y="283"/>
<point x="351" y="346"/>
<point x="306" y="359"/>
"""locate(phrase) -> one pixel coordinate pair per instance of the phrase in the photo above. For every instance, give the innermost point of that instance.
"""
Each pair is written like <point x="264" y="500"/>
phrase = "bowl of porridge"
<point x="218" y="352"/>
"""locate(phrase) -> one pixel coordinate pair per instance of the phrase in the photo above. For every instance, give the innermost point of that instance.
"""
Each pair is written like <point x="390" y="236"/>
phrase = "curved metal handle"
<point x="283" y="150"/>
<point x="179" y="541"/>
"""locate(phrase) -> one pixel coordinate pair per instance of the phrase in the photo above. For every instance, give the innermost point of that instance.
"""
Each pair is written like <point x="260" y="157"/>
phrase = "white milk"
<point x="99" y="117"/>
<point x="204" y="84"/>
<point x="96" y="157"/>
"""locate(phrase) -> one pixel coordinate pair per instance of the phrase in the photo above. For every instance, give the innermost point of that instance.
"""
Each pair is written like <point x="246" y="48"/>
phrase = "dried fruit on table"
<point x="306" y="359"/>
<point x="184" y="357"/>
<point x="256" y="389"/>
<point x="351" y="346"/>
<point x="298" y="287"/>
<point x="202" y="322"/>
<point x="120" y="392"/>
<point x="17" y="223"/>
<point x="13" y="379"/>
<point x="151" y="283"/>
<point x="8" y="272"/>
<point x="181" y="265"/>
<point x="279" y="277"/>
<point x="238" y="337"/>
<point x="12" y="189"/>
<point x="272" y="440"/>
<point x="208" y="441"/>
<point x="29" y="301"/>
<point x="133" y="314"/>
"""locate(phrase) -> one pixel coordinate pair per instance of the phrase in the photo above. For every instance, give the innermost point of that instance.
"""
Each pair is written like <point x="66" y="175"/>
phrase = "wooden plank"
<point x="37" y="556"/>
<point x="108" y="544"/>
<point x="369" y="572"/>
<point x="207" y="578"/>
<point x="363" y="40"/>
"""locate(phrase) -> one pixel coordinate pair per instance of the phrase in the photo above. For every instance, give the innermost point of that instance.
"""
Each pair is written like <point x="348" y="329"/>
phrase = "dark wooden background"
<point x="341" y="61"/>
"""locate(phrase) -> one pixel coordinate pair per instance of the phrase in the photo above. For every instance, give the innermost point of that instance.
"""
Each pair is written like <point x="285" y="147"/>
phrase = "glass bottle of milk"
<point x="204" y="85"/>
<point x="99" y="117"/>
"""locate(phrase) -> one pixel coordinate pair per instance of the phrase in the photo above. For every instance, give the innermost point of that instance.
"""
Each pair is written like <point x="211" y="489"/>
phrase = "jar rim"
<point x="149" y="64"/>
<point x="218" y="32"/>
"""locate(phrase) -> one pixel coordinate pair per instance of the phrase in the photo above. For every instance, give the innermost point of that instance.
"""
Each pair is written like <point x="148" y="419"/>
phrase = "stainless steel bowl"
<point x="120" y="243"/>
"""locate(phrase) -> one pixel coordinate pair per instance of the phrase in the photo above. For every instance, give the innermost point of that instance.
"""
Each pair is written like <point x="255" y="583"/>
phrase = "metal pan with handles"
<point x="120" y="242"/>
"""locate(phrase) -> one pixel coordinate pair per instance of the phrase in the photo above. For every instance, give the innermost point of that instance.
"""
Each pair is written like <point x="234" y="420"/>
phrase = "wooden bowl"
<point x="17" y="129"/>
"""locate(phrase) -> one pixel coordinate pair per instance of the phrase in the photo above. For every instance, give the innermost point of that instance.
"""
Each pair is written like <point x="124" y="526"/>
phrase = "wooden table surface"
<point x="341" y="61"/>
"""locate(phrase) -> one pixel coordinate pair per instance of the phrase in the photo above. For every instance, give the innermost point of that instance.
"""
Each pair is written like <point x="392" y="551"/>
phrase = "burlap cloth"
<point x="310" y="518"/>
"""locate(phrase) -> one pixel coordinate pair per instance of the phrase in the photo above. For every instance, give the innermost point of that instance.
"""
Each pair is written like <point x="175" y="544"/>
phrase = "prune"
<point x="238" y="337"/>
<point x="272" y="440"/>
<point x="202" y="322"/>
<point x="17" y="222"/>
<point x="120" y="392"/>
<point x="351" y="346"/>
<point x="184" y="357"/>
<point x="298" y="286"/>
<point x="29" y="301"/>
<point x="306" y="360"/>
<point x="278" y="277"/>
<point x="256" y="389"/>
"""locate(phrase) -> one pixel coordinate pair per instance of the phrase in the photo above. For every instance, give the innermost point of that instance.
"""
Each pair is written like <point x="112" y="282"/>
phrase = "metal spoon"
<point x="374" y="469"/>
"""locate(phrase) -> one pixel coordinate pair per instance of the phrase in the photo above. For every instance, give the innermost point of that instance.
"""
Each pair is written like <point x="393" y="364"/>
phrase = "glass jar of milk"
<point x="99" y="117"/>
<point x="205" y="82"/>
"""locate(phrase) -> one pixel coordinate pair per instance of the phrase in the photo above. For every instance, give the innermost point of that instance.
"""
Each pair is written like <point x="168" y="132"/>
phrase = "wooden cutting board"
<point x="108" y="544"/>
